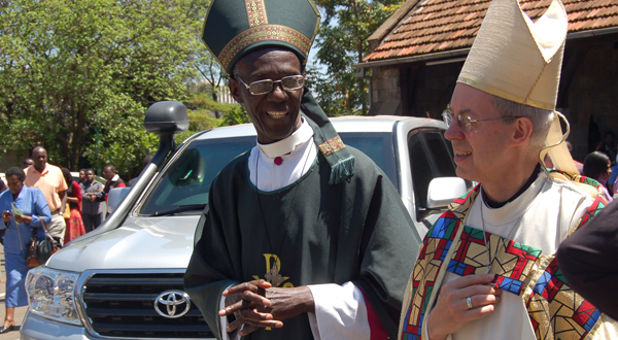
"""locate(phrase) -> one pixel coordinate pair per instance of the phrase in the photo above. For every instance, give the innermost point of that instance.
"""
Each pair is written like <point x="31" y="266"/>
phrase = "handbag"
<point x="67" y="212"/>
<point x="31" y="258"/>
<point x="38" y="252"/>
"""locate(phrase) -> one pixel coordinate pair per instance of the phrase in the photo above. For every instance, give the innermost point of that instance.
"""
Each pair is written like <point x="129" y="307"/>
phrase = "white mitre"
<point x="520" y="60"/>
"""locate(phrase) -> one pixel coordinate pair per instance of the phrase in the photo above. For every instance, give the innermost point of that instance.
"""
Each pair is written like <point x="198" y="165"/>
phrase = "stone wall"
<point x="413" y="89"/>
<point x="434" y="88"/>
<point x="385" y="91"/>
<point x="591" y="103"/>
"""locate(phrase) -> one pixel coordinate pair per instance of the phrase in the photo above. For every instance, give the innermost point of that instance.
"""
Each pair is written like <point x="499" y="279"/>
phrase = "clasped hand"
<point x="256" y="304"/>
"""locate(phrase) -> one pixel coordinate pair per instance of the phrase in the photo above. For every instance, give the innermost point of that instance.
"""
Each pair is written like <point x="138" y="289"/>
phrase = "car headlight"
<point x="51" y="294"/>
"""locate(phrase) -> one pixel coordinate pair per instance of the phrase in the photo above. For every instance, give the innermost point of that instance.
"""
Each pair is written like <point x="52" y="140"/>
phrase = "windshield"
<point x="379" y="147"/>
<point x="184" y="186"/>
<point x="187" y="181"/>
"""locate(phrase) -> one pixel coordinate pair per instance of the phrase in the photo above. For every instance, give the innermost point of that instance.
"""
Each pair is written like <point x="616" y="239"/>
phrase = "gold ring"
<point x="469" y="302"/>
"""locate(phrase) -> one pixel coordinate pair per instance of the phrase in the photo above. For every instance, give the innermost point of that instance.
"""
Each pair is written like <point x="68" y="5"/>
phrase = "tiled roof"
<point x="431" y="26"/>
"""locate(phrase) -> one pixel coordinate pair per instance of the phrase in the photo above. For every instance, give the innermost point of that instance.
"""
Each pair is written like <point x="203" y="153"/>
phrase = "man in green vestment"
<point x="304" y="238"/>
<point x="487" y="267"/>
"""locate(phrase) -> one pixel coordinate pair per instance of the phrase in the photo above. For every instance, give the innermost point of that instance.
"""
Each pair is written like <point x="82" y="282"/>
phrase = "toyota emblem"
<point x="172" y="304"/>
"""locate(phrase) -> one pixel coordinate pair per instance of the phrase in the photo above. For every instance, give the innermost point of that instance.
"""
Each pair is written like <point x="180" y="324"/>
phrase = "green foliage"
<point x="123" y="144"/>
<point x="199" y="120"/>
<point x="342" y="42"/>
<point x="237" y="115"/>
<point x="203" y="112"/>
<point x="202" y="120"/>
<point x="205" y="102"/>
<point x="77" y="76"/>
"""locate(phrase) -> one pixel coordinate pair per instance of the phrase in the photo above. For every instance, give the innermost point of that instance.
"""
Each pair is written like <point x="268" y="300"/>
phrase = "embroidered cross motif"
<point x="274" y="277"/>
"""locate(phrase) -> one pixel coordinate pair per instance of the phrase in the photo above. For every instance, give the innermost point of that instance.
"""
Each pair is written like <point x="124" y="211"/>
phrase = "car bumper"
<point x="35" y="327"/>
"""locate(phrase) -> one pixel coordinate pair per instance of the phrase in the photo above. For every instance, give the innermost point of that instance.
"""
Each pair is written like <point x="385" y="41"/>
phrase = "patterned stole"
<point x="449" y="246"/>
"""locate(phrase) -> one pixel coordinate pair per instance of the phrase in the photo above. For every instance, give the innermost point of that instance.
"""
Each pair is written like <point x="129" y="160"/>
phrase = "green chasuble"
<point x="309" y="232"/>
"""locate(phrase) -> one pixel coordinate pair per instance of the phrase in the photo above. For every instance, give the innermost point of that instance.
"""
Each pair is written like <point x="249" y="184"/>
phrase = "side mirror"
<point x="166" y="117"/>
<point x="115" y="197"/>
<point x="443" y="190"/>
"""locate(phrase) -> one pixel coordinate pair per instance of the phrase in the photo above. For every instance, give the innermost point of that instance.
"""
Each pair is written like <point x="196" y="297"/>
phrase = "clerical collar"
<point x="493" y="204"/>
<point x="289" y="144"/>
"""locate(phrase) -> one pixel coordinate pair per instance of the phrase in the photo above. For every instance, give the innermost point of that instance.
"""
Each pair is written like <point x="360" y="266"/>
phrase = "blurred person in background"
<point x="27" y="162"/>
<point x="75" y="224"/>
<point x="50" y="180"/>
<point x="2" y="227"/>
<point x="23" y="208"/>
<point x="82" y="176"/>
<point x="598" y="166"/>
<point x="113" y="180"/>
<point x="611" y="182"/>
<point x="92" y="205"/>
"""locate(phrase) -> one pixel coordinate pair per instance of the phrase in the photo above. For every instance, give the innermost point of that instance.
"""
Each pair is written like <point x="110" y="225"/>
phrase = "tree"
<point x="211" y="72"/>
<point x="201" y="111"/>
<point x="342" y="42"/>
<point x="77" y="76"/>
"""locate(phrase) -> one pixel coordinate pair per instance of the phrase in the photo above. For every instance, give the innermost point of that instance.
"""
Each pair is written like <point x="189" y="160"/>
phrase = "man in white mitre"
<point x="487" y="268"/>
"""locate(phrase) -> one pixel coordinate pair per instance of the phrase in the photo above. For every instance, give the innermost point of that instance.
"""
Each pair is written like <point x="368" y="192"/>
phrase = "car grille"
<point x="122" y="305"/>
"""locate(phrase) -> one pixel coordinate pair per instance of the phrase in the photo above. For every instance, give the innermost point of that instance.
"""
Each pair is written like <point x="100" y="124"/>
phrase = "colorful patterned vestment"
<point x="555" y="310"/>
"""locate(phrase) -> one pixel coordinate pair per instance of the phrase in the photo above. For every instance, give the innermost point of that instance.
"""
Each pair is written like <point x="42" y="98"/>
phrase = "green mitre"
<point x="233" y="28"/>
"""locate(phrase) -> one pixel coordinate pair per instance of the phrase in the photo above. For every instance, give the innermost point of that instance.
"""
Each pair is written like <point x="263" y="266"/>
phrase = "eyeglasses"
<point x="265" y="86"/>
<point x="466" y="123"/>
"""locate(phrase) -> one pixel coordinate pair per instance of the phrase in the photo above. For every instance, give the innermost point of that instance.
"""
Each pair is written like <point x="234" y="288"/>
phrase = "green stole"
<point x="520" y="269"/>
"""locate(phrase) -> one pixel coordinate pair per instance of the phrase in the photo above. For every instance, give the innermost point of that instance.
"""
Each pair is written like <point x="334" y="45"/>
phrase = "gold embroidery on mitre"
<point x="263" y="33"/>
<point x="331" y="146"/>
<point x="256" y="11"/>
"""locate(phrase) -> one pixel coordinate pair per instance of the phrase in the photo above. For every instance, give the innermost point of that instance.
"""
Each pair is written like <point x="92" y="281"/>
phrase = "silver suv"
<point x="125" y="279"/>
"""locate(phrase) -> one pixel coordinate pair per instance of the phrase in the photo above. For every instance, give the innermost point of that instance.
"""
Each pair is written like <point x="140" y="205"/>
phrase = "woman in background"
<point x="82" y="176"/>
<point x="75" y="224"/>
<point x="23" y="208"/>
<point x="598" y="166"/>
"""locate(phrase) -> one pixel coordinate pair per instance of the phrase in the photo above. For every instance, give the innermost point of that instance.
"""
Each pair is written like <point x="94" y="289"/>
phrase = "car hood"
<point x="141" y="243"/>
